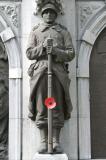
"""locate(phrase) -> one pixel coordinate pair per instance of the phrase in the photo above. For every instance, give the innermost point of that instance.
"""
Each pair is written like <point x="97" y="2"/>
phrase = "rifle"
<point x="50" y="117"/>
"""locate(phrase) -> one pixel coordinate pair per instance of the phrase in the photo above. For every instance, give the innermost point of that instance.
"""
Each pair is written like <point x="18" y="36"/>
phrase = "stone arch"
<point x="88" y="39"/>
<point x="15" y="74"/>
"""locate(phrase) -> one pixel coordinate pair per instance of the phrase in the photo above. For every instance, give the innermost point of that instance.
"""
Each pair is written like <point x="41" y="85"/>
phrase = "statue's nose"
<point x="49" y="13"/>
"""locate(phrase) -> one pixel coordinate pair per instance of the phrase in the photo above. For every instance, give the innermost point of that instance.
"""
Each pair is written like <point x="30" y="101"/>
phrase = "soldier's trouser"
<point x="41" y="95"/>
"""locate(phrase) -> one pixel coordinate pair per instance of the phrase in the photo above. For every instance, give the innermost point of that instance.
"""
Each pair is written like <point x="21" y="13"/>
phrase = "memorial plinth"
<point x="38" y="156"/>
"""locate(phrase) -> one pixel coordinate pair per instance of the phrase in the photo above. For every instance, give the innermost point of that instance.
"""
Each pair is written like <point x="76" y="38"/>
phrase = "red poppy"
<point x="50" y="103"/>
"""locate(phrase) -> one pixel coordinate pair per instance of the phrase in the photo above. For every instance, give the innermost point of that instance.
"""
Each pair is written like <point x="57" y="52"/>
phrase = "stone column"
<point x="15" y="75"/>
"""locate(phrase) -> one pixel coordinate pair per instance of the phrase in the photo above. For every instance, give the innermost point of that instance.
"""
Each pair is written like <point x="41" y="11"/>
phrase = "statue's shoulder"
<point x="36" y="27"/>
<point x="61" y="27"/>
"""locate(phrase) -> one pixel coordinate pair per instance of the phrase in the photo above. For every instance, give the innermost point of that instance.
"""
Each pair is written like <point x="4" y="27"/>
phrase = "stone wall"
<point x="85" y="21"/>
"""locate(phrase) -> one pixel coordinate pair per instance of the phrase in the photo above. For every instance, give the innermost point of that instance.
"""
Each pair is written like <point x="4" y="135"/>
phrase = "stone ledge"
<point x="7" y="34"/>
<point x="38" y="156"/>
<point x="15" y="73"/>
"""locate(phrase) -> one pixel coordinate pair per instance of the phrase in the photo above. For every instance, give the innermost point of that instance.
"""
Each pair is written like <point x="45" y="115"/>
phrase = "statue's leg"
<point x="58" y="114"/>
<point x="41" y="118"/>
<point x="43" y="145"/>
<point x="41" y="95"/>
<point x="56" y="144"/>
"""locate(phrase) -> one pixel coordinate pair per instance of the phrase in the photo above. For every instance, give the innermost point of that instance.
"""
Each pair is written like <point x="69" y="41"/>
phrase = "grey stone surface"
<point x="10" y="11"/>
<point x="13" y="52"/>
<point x="7" y="34"/>
<point x="50" y="157"/>
<point x="68" y="135"/>
<point x="86" y="11"/>
<point x="11" y="0"/>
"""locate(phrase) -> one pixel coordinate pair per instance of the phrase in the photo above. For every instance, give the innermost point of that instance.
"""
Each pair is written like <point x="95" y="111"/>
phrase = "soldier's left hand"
<point x="55" y="50"/>
<point x="45" y="43"/>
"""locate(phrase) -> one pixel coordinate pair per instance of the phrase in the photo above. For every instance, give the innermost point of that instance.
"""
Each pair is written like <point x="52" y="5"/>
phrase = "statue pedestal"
<point x="38" y="156"/>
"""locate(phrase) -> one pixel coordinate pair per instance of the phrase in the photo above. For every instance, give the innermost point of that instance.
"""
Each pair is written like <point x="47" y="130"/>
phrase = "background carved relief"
<point x="86" y="12"/>
<point x="11" y="11"/>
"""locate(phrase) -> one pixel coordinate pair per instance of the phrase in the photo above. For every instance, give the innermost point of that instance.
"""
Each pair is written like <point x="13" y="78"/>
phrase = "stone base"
<point x="38" y="156"/>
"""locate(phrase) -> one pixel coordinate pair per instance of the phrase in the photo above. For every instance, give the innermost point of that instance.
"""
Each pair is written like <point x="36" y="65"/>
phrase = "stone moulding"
<point x="15" y="77"/>
<point x="11" y="11"/>
<point x="88" y="41"/>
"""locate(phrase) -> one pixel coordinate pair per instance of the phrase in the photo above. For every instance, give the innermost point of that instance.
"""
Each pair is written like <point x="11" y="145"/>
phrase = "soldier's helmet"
<point x="49" y="6"/>
<point x="43" y="5"/>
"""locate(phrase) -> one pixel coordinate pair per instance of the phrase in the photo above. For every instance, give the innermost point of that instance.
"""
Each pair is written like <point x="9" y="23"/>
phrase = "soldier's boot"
<point x="43" y="144"/>
<point x="56" y="144"/>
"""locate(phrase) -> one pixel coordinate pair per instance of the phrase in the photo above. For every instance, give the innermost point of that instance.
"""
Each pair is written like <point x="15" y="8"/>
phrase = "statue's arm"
<point x="33" y="50"/>
<point x="66" y="54"/>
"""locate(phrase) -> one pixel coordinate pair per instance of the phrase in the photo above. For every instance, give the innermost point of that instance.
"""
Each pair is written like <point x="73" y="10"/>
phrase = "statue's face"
<point x="49" y="16"/>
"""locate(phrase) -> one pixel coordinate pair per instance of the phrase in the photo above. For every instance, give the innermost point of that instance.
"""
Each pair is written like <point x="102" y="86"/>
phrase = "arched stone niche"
<point x="88" y="40"/>
<point x="15" y="75"/>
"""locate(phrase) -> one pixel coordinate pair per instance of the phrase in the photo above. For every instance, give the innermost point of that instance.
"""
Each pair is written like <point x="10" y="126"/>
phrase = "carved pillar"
<point x="9" y="17"/>
<point x="15" y="76"/>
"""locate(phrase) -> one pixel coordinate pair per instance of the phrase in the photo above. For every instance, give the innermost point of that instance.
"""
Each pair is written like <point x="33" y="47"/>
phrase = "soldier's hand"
<point x="48" y="44"/>
<point x="49" y="49"/>
<point x="48" y="41"/>
<point x="55" y="50"/>
<point x="45" y="43"/>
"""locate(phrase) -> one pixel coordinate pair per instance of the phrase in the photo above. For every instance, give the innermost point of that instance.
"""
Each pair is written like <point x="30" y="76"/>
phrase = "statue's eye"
<point x="50" y="11"/>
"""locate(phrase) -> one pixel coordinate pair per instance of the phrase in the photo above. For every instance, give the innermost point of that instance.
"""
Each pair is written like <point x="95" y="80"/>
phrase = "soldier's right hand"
<point x="48" y="45"/>
<point x="49" y="49"/>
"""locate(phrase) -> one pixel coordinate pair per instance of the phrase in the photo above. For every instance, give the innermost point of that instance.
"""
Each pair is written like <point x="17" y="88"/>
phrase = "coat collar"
<point x="44" y="27"/>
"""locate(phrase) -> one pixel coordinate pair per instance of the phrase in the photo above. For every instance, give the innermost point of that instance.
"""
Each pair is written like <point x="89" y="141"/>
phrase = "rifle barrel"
<point x="50" y="117"/>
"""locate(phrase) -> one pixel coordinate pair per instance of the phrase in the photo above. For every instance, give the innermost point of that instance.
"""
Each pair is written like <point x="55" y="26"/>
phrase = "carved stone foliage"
<point x="11" y="11"/>
<point x="87" y="11"/>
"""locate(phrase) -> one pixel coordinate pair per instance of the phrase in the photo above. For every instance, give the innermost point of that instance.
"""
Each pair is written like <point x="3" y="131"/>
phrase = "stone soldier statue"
<point x="62" y="52"/>
<point x="3" y="103"/>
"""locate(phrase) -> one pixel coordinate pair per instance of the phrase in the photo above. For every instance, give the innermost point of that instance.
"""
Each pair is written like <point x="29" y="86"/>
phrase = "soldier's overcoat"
<point x="35" y="51"/>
